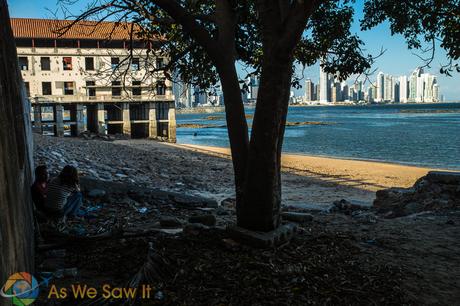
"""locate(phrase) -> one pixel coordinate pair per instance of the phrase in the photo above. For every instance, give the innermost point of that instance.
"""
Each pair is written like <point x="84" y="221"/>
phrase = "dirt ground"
<point x="336" y="259"/>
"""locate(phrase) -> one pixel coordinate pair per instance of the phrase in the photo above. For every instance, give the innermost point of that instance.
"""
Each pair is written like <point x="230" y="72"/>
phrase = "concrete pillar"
<point x="37" y="128"/>
<point x="58" y="120"/>
<point x="80" y="118"/>
<point x="172" y="122"/>
<point x="153" y="132"/>
<point x="100" y="118"/>
<point x="126" y="120"/>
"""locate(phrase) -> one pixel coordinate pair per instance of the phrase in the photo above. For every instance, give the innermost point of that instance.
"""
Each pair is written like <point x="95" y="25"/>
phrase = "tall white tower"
<point x="324" y="86"/>
<point x="380" y="87"/>
<point x="403" y="89"/>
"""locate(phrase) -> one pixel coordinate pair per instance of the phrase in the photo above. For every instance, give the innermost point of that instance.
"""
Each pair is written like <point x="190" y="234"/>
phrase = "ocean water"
<point x="422" y="135"/>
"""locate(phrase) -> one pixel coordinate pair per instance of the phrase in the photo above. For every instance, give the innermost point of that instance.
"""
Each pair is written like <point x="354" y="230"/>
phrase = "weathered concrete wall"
<point x="16" y="225"/>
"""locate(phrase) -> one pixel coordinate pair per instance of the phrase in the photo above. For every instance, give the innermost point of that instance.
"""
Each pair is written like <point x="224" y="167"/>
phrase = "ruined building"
<point x="87" y="77"/>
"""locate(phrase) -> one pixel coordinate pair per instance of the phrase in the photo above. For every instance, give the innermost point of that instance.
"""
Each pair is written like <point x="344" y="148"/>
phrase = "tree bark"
<point x="16" y="221"/>
<point x="236" y="123"/>
<point x="260" y="207"/>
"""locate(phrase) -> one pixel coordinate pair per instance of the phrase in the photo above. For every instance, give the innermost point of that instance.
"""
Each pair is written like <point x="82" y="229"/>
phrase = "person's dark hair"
<point x="39" y="170"/>
<point x="69" y="176"/>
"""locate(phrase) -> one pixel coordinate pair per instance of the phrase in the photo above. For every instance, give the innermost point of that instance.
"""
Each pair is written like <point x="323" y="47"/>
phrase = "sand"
<point x="320" y="180"/>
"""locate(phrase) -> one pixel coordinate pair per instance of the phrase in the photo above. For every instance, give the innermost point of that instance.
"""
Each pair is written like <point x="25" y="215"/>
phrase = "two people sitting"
<point x="60" y="197"/>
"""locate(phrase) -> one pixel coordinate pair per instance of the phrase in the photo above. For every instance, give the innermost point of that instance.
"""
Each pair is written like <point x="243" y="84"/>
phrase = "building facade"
<point x="90" y="82"/>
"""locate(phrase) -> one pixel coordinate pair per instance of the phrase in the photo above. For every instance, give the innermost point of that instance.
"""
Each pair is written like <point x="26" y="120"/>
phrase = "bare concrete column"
<point x="100" y="118"/>
<point x="59" y="120"/>
<point x="153" y="132"/>
<point x="37" y="128"/>
<point x="172" y="122"/>
<point x="80" y="118"/>
<point x="126" y="120"/>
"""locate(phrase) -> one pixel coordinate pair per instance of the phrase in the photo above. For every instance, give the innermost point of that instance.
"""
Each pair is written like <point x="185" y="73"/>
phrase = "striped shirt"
<point x="57" y="194"/>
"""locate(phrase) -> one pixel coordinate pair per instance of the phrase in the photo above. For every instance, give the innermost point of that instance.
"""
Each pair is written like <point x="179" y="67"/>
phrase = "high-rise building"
<point x="324" y="86"/>
<point x="345" y="91"/>
<point x="388" y="88"/>
<point x="309" y="91"/>
<point x="380" y="87"/>
<point x="396" y="89"/>
<point x="336" y="92"/>
<point x="403" y="89"/>
<point x="254" y="87"/>
<point x="436" y="97"/>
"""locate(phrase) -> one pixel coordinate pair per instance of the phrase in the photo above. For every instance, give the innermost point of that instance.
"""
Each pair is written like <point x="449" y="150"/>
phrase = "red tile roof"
<point x="52" y="28"/>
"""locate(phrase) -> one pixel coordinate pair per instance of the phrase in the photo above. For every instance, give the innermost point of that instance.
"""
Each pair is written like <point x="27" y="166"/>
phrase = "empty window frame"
<point x="90" y="89"/>
<point x="116" y="88"/>
<point x="135" y="64"/>
<point x="45" y="63"/>
<point x="68" y="88"/>
<point x="67" y="63"/>
<point x="46" y="89"/>
<point x="114" y="61"/>
<point x="23" y="63"/>
<point x="159" y="63"/>
<point x="160" y="88"/>
<point x="137" y="90"/>
<point x="89" y="63"/>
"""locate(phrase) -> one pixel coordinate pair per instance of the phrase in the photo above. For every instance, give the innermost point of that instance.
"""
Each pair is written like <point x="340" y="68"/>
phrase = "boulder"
<point x="170" y="222"/>
<point x="96" y="193"/>
<point x="208" y="219"/>
<point x="296" y="216"/>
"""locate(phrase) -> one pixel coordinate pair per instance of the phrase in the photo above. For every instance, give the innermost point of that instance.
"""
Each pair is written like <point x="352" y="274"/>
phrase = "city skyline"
<point x="397" y="60"/>
<point x="418" y="87"/>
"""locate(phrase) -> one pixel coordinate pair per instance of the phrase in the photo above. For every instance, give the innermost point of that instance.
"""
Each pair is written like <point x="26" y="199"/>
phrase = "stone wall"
<point x="16" y="222"/>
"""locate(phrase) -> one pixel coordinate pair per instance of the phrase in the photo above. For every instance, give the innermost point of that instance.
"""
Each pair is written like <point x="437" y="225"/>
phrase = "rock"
<point x="281" y="235"/>
<point x="209" y="220"/>
<point x="96" y="193"/>
<point x="436" y="191"/>
<point x="194" y="228"/>
<point x="170" y="222"/>
<point x="348" y="207"/>
<point x="296" y="216"/>
<point x="444" y="177"/>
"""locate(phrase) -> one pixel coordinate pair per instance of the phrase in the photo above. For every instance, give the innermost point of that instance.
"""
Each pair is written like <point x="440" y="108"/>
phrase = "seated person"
<point x="64" y="197"/>
<point x="39" y="187"/>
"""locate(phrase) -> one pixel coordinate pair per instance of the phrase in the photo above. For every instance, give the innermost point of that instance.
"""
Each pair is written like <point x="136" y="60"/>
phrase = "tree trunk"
<point x="260" y="207"/>
<point x="236" y="122"/>
<point x="16" y="225"/>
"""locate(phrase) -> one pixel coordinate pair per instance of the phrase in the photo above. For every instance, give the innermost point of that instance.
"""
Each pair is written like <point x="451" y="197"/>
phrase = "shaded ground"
<point x="336" y="259"/>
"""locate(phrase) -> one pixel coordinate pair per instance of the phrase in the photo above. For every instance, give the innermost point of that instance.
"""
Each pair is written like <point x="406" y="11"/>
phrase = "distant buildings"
<point x="419" y="87"/>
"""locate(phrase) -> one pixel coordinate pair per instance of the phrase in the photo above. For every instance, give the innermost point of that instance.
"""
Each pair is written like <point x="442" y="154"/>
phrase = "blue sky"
<point x="397" y="60"/>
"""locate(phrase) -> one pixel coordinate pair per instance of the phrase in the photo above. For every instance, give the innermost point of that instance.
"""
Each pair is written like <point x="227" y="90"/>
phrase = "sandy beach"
<point x="207" y="171"/>
<point x="320" y="180"/>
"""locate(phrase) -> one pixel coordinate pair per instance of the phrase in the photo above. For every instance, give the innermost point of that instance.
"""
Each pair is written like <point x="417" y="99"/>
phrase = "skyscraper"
<point x="309" y="91"/>
<point x="403" y="89"/>
<point x="324" y="86"/>
<point x="388" y="88"/>
<point x="380" y="87"/>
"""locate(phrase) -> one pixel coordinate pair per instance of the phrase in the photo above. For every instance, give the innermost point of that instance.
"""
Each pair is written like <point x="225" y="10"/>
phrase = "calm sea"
<point x="422" y="135"/>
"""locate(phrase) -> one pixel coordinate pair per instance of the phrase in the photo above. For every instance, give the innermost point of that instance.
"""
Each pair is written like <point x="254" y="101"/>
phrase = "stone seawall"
<point x="201" y="110"/>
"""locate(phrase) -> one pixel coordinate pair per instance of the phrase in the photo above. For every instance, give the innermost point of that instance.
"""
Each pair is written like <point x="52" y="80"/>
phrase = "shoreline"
<point x="339" y="158"/>
<point x="368" y="176"/>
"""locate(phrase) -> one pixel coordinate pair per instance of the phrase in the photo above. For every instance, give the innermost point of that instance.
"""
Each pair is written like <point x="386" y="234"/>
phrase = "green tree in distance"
<point x="204" y="40"/>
